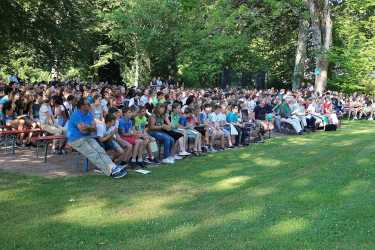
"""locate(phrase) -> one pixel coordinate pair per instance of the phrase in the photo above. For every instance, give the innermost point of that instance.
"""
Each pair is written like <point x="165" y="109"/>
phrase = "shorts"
<point x="175" y="135"/>
<point x="201" y="129"/>
<point x="191" y="133"/>
<point x="110" y="145"/>
<point x="131" y="139"/>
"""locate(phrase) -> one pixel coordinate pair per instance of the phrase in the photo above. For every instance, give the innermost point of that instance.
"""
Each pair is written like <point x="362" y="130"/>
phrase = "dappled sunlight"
<point x="244" y="215"/>
<point x="310" y="196"/>
<point x="364" y="161"/>
<point x="362" y="131"/>
<point x="288" y="226"/>
<point x="88" y="213"/>
<point x="231" y="183"/>
<point x="149" y="207"/>
<point x="299" y="141"/>
<point x="96" y="212"/>
<point x="301" y="182"/>
<point x="245" y="156"/>
<point x="259" y="191"/>
<point x="219" y="172"/>
<point x="266" y="162"/>
<point x="354" y="187"/>
<point x="183" y="231"/>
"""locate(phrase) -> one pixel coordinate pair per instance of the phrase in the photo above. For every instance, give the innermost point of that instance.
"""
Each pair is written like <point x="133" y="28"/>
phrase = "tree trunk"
<point x="136" y="76"/>
<point x="299" y="66"/>
<point x="327" y="39"/>
<point x="321" y="24"/>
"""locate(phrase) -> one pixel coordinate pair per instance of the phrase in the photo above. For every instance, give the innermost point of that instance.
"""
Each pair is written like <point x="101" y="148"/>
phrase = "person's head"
<point x="189" y="111"/>
<point x="96" y="99"/>
<point x="218" y="109"/>
<point x="57" y="100"/>
<point x="160" y="95"/>
<point x="115" y="111"/>
<point x="70" y="99"/>
<point x="83" y="105"/>
<point x="110" y="120"/>
<point x="262" y="103"/>
<point x="207" y="108"/>
<point x="127" y="112"/>
<point x="142" y="111"/>
<point x="160" y="110"/>
<point x="176" y="107"/>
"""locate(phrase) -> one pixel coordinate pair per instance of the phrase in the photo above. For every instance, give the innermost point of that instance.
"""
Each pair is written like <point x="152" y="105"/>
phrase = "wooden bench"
<point x="8" y="138"/>
<point x="44" y="141"/>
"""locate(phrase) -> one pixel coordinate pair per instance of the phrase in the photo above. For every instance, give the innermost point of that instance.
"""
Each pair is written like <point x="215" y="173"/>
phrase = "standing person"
<point x="80" y="127"/>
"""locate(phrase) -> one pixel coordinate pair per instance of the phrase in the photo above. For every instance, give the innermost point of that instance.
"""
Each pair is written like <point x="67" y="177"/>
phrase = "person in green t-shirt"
<point x="140" y="120"/>
<point x="140" y="125"/>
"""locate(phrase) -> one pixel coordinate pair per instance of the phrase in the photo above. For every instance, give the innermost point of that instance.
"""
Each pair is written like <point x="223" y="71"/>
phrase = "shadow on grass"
<point x="312" y="192"/>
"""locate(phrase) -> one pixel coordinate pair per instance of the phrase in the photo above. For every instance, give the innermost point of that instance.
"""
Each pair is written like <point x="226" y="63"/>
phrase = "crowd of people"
<point x="118" y="128"/>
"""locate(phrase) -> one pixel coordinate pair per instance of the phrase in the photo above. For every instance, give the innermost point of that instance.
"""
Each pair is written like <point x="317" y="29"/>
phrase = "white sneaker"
<point x="167" y="161"/>
<point x="370" y="119"/>
<point x="176" y="157"/>
<point x="184" y="153"/>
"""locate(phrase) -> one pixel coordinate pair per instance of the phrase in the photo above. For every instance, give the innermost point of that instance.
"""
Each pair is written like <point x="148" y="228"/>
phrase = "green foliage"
<point x="193" y="40"/>
<point x="354" y="50"/>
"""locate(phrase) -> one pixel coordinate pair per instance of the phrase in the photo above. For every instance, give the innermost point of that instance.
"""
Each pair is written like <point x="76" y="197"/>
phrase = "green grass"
<point x="310" y="192"/>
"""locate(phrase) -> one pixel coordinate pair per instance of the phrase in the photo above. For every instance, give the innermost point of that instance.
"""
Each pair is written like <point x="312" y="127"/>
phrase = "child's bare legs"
<point x="136" y="150"/>
<point x="141" y="150"/>
<point x="128" y="149"/>
<point x="181" y="144"/>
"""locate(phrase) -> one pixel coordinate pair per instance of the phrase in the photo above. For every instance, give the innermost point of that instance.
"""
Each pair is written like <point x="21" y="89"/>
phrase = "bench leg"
<point x="86" y="165"/>
<point x="45" y="151"/>
<point x="14" y="139"/>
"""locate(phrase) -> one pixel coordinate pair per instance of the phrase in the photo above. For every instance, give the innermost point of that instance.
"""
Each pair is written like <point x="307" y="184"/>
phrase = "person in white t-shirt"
<point x="106" y="136"/>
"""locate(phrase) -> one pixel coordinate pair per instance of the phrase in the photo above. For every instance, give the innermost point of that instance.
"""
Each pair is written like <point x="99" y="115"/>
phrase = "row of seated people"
<point x="114" y="129"/>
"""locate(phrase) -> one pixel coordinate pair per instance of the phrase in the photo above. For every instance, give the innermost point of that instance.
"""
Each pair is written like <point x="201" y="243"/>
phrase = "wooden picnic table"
<point x="9" y="137"/>
<point x="44" y="141"/>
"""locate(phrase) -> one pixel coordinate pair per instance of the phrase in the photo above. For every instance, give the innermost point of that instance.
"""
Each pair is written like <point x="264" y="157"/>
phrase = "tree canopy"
<point x="290" y="41"/>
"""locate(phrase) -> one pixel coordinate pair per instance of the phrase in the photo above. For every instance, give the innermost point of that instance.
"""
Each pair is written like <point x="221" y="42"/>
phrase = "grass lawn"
<point x="311" y="192"/>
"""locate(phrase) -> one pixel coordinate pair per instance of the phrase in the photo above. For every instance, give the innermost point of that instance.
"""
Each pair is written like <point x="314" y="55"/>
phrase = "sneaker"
<point x="147" y="161"/>
<point x="213" y="150"/>
<point x="120" y="174"/>
<point x="370" y="119"/>
<point x="155" y="161"/>
<point x="184" y="153"/>
<point x="167" y="161"/>
<point x="176" y="157"/>
<point x="141" y="164"/>
<point x="117" y="169"/>
<point x="152" y="161"/>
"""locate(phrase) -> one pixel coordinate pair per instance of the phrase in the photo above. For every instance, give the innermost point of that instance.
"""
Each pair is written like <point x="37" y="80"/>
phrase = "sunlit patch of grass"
<point x="231" y="182"/>
<point x="287" y="226"/>
<point x="311" y="192"/>
<point x="355" y="186"/>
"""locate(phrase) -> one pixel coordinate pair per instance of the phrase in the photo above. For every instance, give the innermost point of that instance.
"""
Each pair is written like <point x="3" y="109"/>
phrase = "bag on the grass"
<point x="233" y="130"/>
<point x="154" y="147"/>
<point x="331" y="127"/>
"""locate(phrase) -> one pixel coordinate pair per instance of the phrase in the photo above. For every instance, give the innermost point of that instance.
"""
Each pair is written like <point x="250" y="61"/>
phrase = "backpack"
<point x="331" y="127"/>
